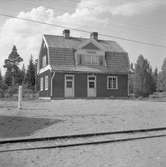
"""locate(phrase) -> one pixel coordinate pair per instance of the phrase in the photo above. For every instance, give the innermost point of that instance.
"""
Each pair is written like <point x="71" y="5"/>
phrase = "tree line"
<point x="15" y="75"/>
<point x="143" y="80"/>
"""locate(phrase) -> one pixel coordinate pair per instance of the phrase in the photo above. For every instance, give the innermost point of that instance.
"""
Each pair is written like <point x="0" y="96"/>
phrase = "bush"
<point x="3" y="86"/>
<point x="1" y="93"/>
<point x="12" y="90"/>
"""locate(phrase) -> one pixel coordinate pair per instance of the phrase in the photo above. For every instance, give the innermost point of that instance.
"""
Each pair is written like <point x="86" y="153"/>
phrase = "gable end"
<point x="90" y="46"/>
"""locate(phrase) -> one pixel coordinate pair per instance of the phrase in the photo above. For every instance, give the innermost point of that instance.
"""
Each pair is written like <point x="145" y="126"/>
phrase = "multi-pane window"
<point x="90" y="60"/>
<point x="69" y="81"/>
<point x="44" y="61"/>
<point x="41" y="83"/>
<point x="112" y="82"/>
<point x="95" y="60"/>
<point x="46" y="82"/>
<point x="86" y="59"/>
<point x="91" y="82"/>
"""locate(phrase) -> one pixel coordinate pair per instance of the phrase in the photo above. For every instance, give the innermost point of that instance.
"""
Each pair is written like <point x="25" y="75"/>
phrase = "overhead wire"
<point x="131" y="26"/>
<point x="85" y="31"/>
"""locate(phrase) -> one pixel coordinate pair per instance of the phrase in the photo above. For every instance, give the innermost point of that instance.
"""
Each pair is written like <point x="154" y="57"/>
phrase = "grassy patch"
<point x="12" y="126"/>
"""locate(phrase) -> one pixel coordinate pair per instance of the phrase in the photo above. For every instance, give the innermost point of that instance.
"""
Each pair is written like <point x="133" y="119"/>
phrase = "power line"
<point x="85" y="31"/>
<point x="132" y="26"/>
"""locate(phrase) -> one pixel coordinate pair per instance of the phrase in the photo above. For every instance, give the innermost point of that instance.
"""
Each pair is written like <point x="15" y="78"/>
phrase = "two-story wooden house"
<point x="73" y="67"/>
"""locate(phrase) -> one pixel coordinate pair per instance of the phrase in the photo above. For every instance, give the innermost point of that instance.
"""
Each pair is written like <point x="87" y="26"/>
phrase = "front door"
<point x="91" y="86"/>
<point x="69" y="85"/>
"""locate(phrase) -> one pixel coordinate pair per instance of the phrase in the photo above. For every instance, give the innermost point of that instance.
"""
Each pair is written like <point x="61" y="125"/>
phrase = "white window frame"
<point x="69" y="75"/>
<point x="41" y="84"/>
<point x="95" y="60"/>
<point x="108" y="79"/>
<point x="89" y="76"/>
<point x="46" y="82"/>
<point x="44" y="61"/>
<point x="92" y="60"/>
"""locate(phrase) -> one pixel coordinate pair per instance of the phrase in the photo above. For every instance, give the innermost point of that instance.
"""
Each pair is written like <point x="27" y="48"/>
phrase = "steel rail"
<point x="82" y="144"/>
<point x="26" y="140"/>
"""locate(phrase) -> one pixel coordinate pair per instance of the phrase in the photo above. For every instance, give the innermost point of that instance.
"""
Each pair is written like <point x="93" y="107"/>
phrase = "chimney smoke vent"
<point x="94" y="35"/>
<point x="66" y="33"/>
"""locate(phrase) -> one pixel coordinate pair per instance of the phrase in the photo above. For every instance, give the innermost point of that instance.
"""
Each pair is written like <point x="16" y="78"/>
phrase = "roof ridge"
<point x="54" y="35"/>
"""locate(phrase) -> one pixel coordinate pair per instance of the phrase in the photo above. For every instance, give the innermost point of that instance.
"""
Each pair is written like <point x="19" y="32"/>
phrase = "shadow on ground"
<point x="14" y="126"/>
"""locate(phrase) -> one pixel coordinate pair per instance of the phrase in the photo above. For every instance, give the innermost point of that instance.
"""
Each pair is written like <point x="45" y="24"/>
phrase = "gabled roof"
<point x="61" y="54"/>
<point x="74" y="42"/>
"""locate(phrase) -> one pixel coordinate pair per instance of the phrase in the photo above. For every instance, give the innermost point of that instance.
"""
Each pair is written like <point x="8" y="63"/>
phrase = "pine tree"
<point x="1" y="79"/>
<point x="3" y="86"/>
<point x="8" y="77"/>
<point x="23" y="74"/>
<point x="131" y="78"/>
<point x="30" y="75"/>
<point x="36" y="76"/>
<point x="143" y="85"/>
<point x="11" y="64"/>
<point x="163" y="68"/>
<point x="155" y="78"/>
<point x="161" y="81"/>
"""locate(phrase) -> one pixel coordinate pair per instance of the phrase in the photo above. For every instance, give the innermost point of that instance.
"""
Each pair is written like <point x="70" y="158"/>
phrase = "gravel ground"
<point x="85" y="116"/>
<point x="82" y="116"/>
<point x="142" y="153"/>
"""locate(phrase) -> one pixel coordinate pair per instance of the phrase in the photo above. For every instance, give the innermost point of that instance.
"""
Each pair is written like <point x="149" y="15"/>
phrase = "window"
<point x="69" y="84"/>
<point x="95" y="60"/>
<point x="86" y="59"/>
<point x="69" y="81"/>
<point x="41" y="83"/>
<point x="89" y="60"/>
<point x="46" y="82"/>
<point x="91" y="82"/>
<point x="44" y="61"/>
<point x="112" y="82"/>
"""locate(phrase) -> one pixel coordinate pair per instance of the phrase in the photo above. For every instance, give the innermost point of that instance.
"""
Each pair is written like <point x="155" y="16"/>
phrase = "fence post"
<point x="20" y="97"/>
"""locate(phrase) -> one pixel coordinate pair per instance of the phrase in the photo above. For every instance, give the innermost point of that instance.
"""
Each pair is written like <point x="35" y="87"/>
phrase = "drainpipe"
<point x="52" y="84"/>
<point x="128" y="85"/>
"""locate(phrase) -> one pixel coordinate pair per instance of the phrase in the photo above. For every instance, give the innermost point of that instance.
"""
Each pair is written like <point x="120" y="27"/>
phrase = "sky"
<point x="141" y="20"/>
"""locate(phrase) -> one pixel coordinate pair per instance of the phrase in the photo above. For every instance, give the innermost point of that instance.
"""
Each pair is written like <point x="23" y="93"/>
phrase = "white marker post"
<point x="20" y="97"/>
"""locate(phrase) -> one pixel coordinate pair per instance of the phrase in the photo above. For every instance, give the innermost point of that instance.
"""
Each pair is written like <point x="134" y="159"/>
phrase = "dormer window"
<point x="90" y="60"/>
<point x="90" y="53"/>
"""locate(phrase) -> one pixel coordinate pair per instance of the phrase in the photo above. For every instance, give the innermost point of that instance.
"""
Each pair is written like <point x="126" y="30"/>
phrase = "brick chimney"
<point x="94" y="35"/>
<point x="66" y="33"/>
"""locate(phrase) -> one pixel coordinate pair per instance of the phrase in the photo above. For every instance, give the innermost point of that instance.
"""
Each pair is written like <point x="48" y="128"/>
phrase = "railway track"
<point x="79" y="139"/>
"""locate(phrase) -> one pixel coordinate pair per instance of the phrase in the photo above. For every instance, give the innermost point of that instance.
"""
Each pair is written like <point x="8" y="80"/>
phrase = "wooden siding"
<point x="102" y="90"/>
<point x="45" y="93"/>
<point x="43" y="52"/>
<point x="58" y="85"/>
<point x="80" y="85"/>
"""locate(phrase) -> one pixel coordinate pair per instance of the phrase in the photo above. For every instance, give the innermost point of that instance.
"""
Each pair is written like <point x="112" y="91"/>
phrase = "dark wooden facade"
<point x="59" y="57"/>
<point x="80" y="88"/>
<point x="45" y="93"/>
